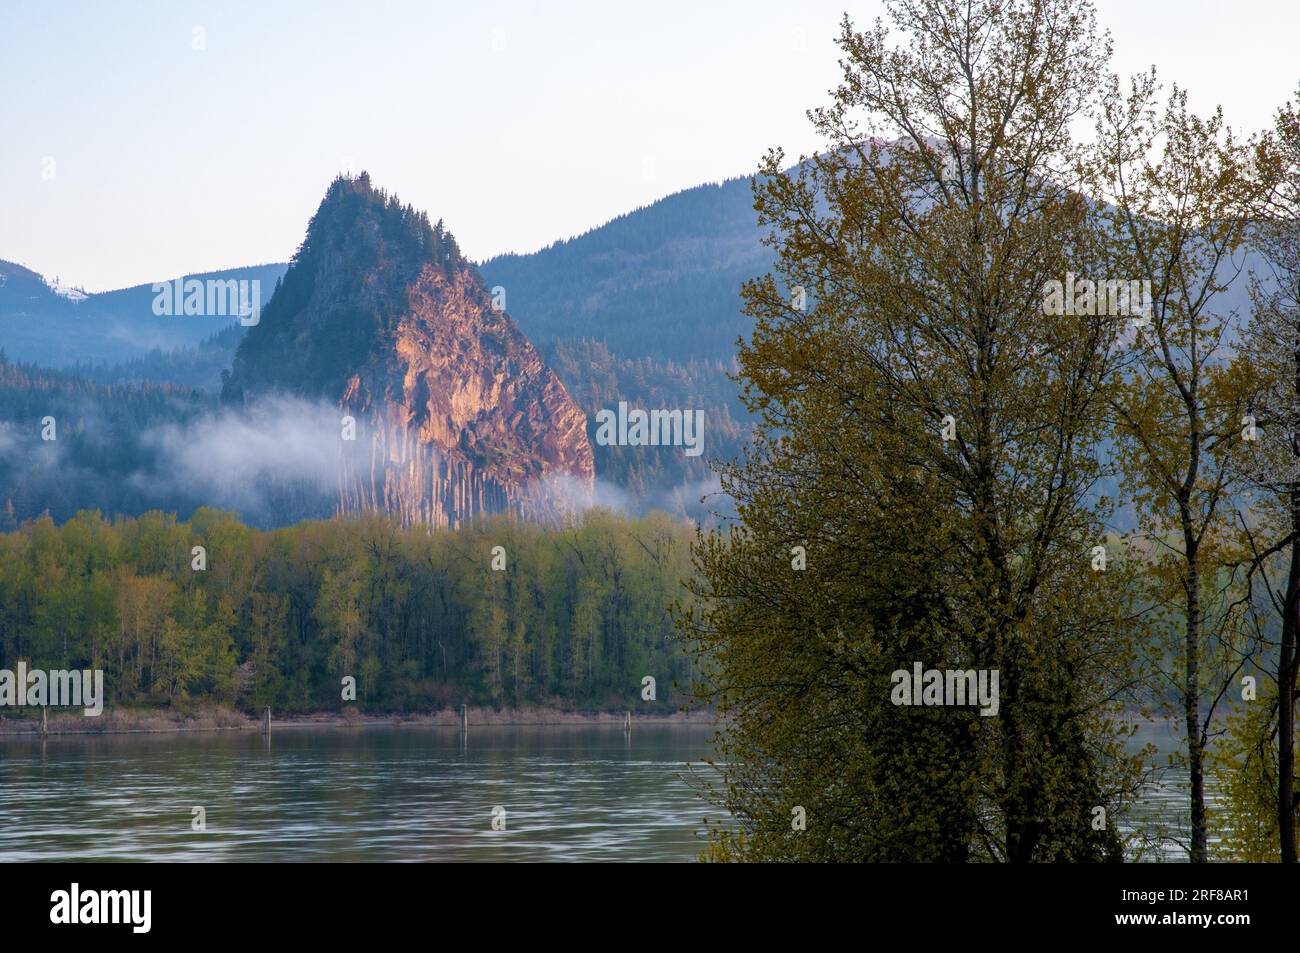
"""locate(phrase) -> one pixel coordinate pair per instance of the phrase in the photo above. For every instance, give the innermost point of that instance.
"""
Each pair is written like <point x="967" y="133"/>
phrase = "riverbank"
<point x="227" y="719"/>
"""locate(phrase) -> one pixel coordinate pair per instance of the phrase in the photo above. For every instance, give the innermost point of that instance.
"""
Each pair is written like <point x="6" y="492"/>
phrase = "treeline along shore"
<point x="207" y="622"/>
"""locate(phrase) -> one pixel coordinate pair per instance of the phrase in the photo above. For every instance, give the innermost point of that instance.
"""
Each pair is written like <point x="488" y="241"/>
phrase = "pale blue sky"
<point x="518" y="123"/>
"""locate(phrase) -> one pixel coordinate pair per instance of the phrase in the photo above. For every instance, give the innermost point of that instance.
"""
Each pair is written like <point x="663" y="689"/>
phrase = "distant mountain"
<point x="60" y="328"/>
<point x="380" y="315"/>
<point x="662" y="281"/>
<point x="31" y="314"/>
<point x="198" y="368"/>
<point x="644" y="310"/>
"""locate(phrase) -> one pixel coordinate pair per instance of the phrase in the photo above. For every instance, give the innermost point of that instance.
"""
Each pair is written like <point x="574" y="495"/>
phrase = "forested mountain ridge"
<point x="42" y="326"/>
<point x="662" y="281"/>
<point x="67" y="443"/>
<point x="381" y="316"/>
<point x="647" y="309"/>
<point x="660" y="332"/>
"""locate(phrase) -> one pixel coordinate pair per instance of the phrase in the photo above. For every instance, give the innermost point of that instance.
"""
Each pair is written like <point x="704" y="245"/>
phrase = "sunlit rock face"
<point x="455" y="412"/>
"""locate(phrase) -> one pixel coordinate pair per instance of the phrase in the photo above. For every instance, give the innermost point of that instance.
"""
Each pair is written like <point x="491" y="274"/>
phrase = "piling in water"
<point x="627" y="721"/>
<point x="266" y="721"/>
<point x="45" y="722"/>
<point x="464" y="718"/>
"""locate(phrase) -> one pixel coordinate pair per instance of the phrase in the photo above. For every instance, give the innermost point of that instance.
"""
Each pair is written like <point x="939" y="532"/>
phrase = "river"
<point x="385" y="793"/>
<point x="375" y="793"/>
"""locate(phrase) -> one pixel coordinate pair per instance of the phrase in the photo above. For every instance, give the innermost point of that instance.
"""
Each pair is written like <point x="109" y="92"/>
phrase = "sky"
<point x="141" y="141"/>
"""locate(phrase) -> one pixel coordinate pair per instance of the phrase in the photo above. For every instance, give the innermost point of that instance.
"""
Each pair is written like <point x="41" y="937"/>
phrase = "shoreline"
<point x="225" y="719"/>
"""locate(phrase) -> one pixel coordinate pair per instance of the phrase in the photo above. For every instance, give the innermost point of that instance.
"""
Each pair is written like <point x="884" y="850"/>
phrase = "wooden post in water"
<point x="464" y="717"/>
<point x="627" y="721"/>
<point x="266" y="721"/>
<point x="45" y="722"/>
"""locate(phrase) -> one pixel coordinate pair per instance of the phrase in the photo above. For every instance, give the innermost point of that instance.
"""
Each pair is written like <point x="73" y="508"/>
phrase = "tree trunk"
<point x="1286" y="688"/>
<point x="1192" y="711"/>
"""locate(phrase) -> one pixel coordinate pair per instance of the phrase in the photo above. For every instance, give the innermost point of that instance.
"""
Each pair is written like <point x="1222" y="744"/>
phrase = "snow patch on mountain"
<point x="67" y="291"/>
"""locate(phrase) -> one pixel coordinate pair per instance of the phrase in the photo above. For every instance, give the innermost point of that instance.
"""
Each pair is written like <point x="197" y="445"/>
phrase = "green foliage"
<point x="1244" y="763"/>
<point x="1181" y="190"/>
<point x="922" y="235"/>
<point x="420" y="619"/>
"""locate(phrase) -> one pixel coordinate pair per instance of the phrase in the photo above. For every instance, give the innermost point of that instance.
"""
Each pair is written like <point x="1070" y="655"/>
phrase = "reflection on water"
<point x="380" y="793"/>
<point x="1163" y="814"/>
<point x="394" y="793"/>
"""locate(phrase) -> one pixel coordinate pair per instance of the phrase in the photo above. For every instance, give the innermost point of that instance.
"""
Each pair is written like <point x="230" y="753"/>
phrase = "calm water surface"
<point x="388" y="793"/>
<point x="406" y="793"/>
<point x="1163" y="812"/>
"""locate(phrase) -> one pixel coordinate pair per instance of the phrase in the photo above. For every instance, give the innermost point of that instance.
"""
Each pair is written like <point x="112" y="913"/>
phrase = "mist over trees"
<point x="927" y="464"/>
